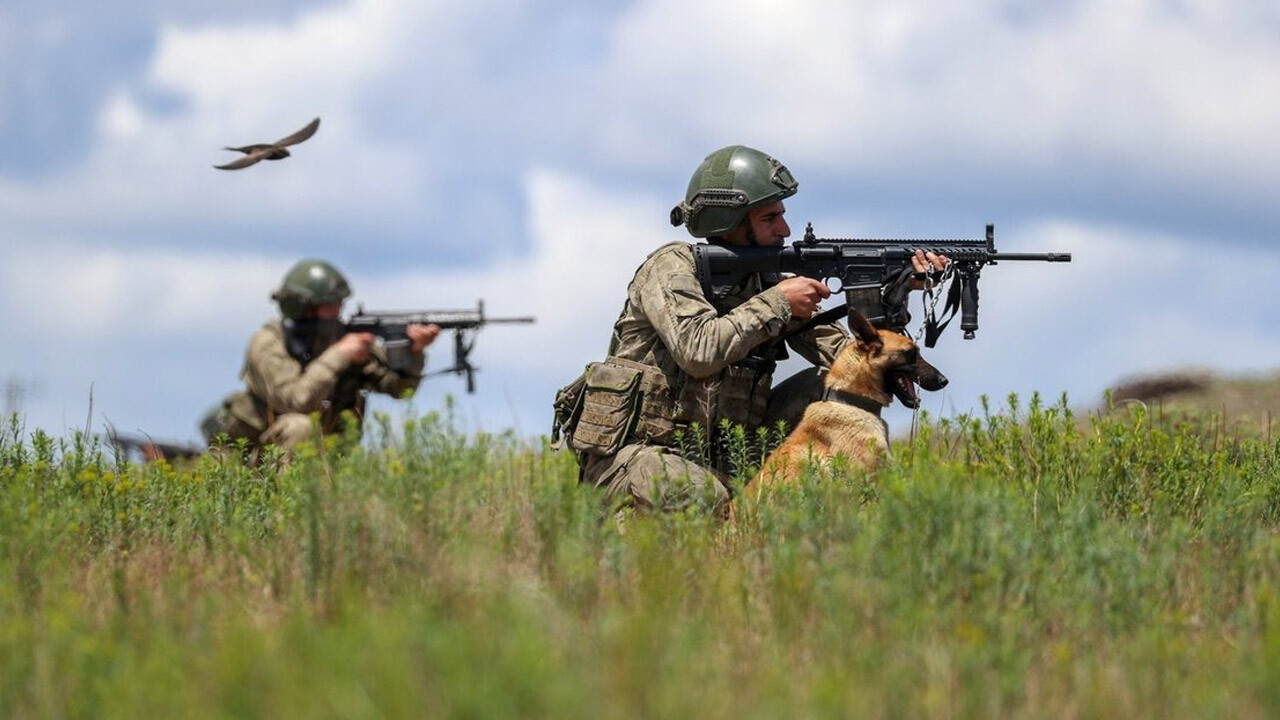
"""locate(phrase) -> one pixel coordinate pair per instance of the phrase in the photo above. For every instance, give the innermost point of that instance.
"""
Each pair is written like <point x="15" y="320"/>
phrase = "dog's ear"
<point x="862" y="327"/>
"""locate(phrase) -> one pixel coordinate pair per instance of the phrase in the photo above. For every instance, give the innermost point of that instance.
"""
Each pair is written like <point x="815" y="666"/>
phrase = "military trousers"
<point x="659" y="478"/>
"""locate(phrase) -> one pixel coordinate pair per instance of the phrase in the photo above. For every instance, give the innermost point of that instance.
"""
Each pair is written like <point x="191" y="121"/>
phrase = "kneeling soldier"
<point x="679" y="358"/>
<point x="307" y="363"/>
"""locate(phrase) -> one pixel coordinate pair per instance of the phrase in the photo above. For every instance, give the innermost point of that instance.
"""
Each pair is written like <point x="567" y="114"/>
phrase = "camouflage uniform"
<point x="282" y="390"/>
<point x="689" y="356"/>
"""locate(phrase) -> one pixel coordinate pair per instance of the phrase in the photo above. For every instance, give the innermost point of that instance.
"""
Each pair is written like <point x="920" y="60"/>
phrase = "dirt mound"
<point x="1160" y="387"/>
<point x="1234" y="402"/>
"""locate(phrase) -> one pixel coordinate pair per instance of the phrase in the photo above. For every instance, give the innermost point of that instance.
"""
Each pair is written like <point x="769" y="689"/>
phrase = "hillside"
<point x="1239" y="403"/>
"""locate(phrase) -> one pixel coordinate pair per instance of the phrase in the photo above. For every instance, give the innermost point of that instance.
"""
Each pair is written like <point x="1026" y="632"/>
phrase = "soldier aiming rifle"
<point x="311" y="361"/>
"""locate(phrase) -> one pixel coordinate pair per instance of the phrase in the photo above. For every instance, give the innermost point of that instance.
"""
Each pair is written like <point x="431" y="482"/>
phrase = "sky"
<point x="528" y="153"/>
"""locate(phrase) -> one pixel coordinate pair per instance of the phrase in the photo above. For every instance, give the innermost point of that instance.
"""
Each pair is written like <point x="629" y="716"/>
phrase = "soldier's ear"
<point x="862" y="328"/>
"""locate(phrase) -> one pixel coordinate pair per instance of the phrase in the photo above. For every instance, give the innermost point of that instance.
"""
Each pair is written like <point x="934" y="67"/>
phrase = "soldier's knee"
<point x="288" y="430"/>
<point x="654" y="477"/>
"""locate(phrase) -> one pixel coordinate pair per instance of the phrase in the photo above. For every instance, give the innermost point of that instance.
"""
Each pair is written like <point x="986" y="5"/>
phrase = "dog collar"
<point x="861" y="402"/>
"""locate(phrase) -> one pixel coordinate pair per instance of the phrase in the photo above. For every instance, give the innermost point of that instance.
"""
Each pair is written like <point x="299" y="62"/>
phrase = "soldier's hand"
<point x="924" y="262"/>
<point x="420" y="336"/>
<point x="357" y="347"/>
<point x="803" y="294"/>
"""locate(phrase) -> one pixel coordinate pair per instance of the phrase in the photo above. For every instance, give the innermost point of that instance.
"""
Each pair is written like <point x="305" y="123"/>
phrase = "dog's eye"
<point x="912" y="355"/>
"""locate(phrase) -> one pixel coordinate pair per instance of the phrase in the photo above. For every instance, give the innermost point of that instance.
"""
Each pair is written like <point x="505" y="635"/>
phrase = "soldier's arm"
<point x="701" y="341"/>
<point x="274" y="375"/>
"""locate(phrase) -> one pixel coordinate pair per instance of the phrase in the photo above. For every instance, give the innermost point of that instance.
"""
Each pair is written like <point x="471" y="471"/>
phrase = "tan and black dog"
<point x="871" y="370"/>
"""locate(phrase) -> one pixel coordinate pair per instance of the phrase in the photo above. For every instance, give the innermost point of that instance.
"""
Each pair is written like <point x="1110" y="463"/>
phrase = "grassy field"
<point x="1010" y="564"/>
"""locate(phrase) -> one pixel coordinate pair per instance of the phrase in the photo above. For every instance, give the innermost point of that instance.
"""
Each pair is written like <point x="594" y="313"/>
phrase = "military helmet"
<point x="728" y="183"/>
<point x="310" y="283"/>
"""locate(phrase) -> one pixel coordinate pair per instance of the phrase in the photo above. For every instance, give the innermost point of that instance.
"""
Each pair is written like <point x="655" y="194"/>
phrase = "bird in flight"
<point x="269" y="151"/>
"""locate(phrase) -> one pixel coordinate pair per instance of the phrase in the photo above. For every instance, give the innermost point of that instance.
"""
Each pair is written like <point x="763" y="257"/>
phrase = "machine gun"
<point x="875" y="275"/>
<point x="392" y="328"/>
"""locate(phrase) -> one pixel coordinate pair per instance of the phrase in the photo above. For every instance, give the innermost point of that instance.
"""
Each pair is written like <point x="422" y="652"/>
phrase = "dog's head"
<point x="883" y="364"/>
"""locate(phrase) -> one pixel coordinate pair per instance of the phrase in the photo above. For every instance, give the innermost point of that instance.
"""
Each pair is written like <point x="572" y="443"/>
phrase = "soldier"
<point x="306" y="363"/>
<point x="678" y="358"/>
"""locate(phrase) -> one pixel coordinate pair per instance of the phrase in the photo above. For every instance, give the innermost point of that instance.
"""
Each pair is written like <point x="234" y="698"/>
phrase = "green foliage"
<point x="1016" y="563"/>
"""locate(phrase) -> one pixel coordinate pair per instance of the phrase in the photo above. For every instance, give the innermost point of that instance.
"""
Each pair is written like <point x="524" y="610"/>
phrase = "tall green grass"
<point x="1007" y="564"/>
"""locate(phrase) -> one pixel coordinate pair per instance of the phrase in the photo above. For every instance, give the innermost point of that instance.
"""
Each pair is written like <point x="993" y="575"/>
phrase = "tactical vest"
<point x="245" y="415"/>
<point x="652" y="401"/>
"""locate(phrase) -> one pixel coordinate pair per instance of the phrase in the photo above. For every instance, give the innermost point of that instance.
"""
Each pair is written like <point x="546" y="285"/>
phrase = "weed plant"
<point x="1007" y="564"/>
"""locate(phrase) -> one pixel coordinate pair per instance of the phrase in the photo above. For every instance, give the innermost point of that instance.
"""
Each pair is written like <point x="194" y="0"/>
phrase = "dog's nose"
<point x="932" y="381"/>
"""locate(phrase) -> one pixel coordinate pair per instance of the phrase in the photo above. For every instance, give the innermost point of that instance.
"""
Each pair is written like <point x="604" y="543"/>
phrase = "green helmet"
<point x="308" y="284"/>
<point x="728" y="183"/>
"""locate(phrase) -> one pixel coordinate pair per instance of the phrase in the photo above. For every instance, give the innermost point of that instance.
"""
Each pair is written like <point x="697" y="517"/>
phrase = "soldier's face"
<point x="767" y="223"/>
<point x="328" y="311"/>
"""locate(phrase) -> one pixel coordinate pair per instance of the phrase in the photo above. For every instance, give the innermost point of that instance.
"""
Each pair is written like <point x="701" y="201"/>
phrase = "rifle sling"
<point x="934" y="326"/>
<point x="821" y="318"/>
<point x="776" y="349"/>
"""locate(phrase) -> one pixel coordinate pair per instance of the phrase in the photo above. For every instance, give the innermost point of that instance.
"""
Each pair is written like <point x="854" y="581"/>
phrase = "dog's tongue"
<point x="904" y="387"/>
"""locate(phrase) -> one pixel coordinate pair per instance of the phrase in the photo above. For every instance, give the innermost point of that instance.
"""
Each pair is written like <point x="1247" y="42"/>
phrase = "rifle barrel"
<point x="1041" y="257"/>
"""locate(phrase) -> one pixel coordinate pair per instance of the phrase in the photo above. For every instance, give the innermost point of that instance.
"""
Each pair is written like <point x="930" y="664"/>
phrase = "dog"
<point x="872" y="369"/>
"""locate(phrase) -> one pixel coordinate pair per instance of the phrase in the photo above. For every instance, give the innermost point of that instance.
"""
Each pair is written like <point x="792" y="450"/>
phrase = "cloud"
<point x="434" y="113"/>
<point x="1139" y="112"/>
<point x="586" y="244"/>
<point x="73" y="292"/>
<point x="59" y="60"/>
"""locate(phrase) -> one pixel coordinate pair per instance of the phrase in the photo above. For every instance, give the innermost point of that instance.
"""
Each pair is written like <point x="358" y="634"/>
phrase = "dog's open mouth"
<point x="902" y="383"/>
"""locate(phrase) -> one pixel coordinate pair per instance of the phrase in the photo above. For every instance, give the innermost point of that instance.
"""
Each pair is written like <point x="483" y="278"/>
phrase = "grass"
<point x="1008" y="564"/>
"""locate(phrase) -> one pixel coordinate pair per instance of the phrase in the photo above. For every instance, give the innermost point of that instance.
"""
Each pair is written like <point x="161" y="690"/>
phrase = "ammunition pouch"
<point x="349" y="394"/>
<point x="613" y="403"/>
<point x="618" y="402"/>
<point x="567" y="407"/>
<point x="608" y="411"/>
<point x="240" y="415"/>
<point x="214" y="423"/>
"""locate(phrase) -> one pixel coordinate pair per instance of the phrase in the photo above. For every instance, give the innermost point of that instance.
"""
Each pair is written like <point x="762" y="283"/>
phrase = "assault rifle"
<point x="392" y="328"/>
<point x="875" y="275"/>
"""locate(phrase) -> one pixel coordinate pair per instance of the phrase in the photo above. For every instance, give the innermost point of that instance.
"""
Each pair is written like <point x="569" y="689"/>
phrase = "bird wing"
<point x="258" y="147"/>
<point x="245" y="161"/>
<point x="301" y="135"/>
